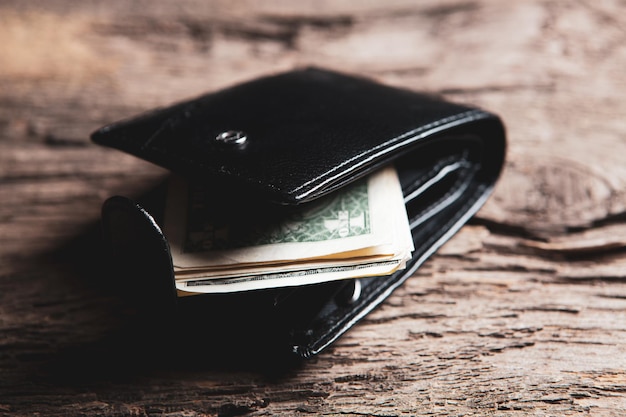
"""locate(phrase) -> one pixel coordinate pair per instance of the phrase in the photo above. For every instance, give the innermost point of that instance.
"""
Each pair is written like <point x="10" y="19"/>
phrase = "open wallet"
<point x="283" y="143"/>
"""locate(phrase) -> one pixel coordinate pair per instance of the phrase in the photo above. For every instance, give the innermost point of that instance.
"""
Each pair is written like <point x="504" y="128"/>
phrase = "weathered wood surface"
<point x="523" y="312"/>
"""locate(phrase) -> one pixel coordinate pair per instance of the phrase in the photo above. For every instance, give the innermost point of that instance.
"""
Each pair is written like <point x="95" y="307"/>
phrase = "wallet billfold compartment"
<point x="290" y="139"/>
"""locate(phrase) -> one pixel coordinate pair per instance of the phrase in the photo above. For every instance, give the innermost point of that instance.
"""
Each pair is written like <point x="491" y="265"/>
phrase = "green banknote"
<point x="337" y="216"/>
<point x="222" y="242"/>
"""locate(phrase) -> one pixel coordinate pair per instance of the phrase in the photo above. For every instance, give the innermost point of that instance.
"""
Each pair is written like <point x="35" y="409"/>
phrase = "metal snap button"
<point x="232" y="138"/>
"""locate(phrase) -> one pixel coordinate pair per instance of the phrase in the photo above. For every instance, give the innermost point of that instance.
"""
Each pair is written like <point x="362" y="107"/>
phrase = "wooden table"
<point x="523" y="312"/>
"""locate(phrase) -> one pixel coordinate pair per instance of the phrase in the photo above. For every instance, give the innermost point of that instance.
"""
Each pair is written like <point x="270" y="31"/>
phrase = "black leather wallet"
<point x="289" y="139"/>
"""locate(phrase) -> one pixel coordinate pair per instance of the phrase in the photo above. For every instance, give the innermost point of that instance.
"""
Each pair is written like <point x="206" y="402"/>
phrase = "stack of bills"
<point x="219" y="245"/>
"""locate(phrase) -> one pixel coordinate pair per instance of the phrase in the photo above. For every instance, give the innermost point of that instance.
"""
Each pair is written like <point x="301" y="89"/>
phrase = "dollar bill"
<point x="289" y="277"/>
<point x="225" y="245"/>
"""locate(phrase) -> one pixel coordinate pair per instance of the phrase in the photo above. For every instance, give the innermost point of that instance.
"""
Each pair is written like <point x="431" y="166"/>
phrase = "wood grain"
<point x="523" y="312"/>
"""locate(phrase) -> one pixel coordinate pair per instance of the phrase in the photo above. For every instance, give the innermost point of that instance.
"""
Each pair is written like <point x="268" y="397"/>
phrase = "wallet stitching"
<point x="459" y="183"/>
<point x="437" y="168"/>
<point x="469" y="115"/>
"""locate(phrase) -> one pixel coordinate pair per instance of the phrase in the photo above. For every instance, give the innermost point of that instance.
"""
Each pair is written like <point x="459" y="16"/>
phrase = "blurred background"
<point x="523" y="310"/>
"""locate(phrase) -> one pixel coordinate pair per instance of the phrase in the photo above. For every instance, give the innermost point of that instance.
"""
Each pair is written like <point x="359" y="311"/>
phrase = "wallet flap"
<point x="288" y="138"/>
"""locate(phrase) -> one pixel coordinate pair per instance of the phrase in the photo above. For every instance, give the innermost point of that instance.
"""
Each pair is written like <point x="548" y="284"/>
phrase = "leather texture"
<point x="309" y="132"/>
